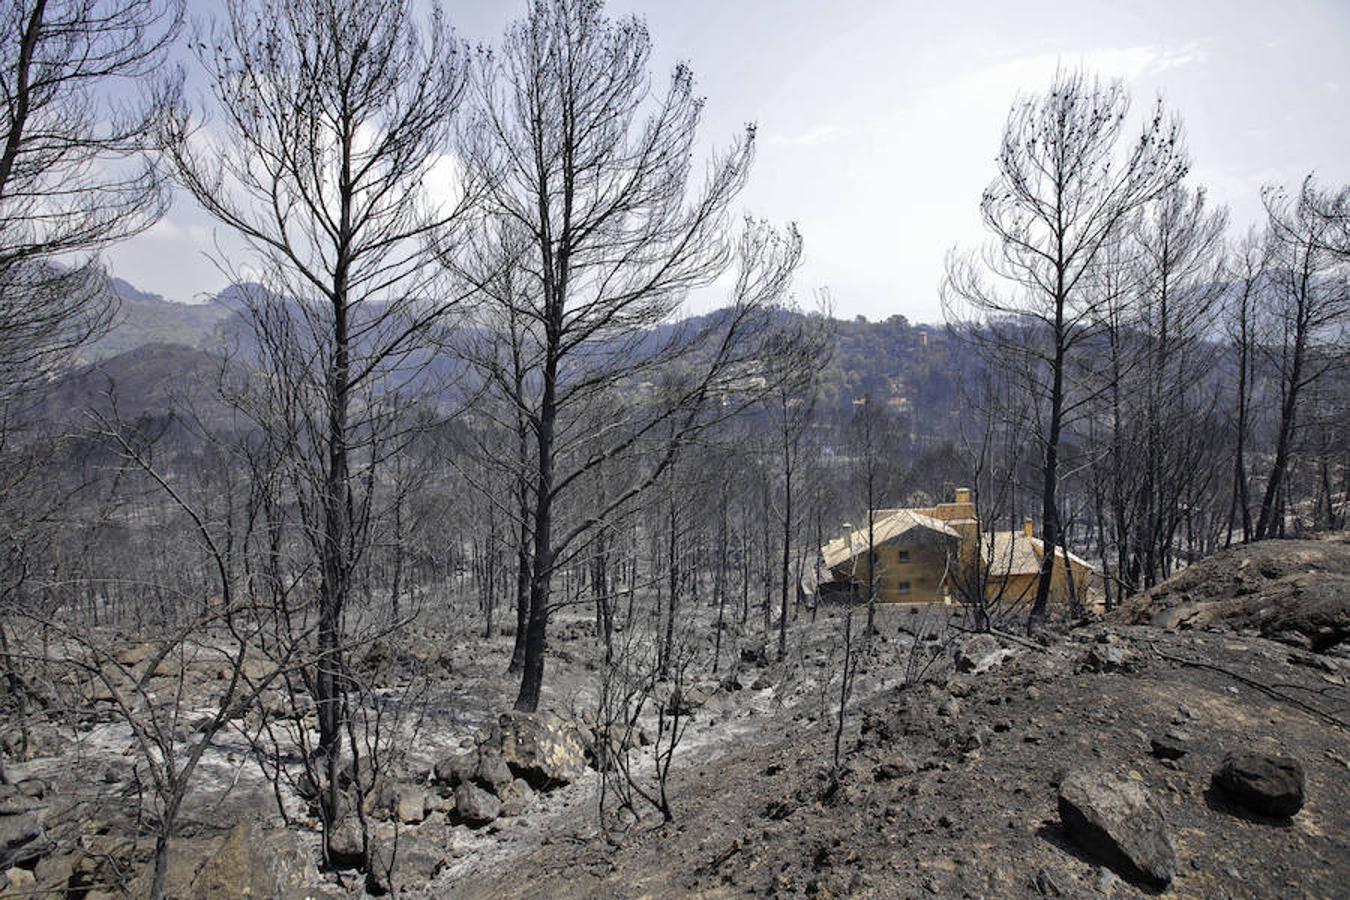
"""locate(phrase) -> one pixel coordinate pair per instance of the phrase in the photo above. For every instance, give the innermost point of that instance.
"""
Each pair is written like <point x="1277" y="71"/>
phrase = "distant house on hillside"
<point x="926" y="555"/>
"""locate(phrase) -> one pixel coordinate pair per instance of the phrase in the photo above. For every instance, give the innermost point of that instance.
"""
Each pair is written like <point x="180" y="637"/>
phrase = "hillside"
<point x="950" y="786"/>
<point x="146" y="318"/>
<point x="150" y="380"/>
<point x="1289" y="591"/>
<point x="962" y="783"/>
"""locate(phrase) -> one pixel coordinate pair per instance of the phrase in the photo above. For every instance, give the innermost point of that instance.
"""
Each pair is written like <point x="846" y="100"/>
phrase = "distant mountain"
<point x="911" y="368"/>
<point x="146" y="318"/>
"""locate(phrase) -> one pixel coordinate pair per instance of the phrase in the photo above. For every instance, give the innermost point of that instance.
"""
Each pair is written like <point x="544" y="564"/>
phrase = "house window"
<point x="902" y="555"/>
<point x="904" y="587"/>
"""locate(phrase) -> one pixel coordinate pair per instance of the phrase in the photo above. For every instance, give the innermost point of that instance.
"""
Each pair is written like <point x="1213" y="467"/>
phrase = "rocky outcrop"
<point x="521" y="753"/>
<point x="1117" y="821"/>
<point x="1293" y="591"/>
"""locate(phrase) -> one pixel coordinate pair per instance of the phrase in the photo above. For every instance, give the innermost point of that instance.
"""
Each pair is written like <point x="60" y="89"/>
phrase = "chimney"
<point x="846" y="536"/>
<point x="963" y="495"/>
<point x="1028" y="529"/>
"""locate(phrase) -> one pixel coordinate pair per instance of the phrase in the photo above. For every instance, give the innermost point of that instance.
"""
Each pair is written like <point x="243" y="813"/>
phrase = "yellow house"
<point x="925" y="555"/>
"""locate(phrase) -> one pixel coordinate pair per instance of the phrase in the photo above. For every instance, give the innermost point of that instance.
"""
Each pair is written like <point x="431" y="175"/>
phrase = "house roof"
<point x="1014" y="553"/>
<point x="887" y="527"/>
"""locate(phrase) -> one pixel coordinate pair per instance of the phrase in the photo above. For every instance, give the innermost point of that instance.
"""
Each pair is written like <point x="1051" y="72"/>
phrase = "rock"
<point x="1172" y="745"/>
<point x="974" y="739"/>
<point x="1106" y="881"/>
<point x="22" y="839"/>
<point x="380" y="800"/>
<point x="492" y="771"/>
<point x="979" y="653"/>
<point x="34" y="788"/>
<point x="687" y="701"/>
<point x="405" y="862"/>
<point x="255" y="670"/>
<point x="21" y="881"/>
<point x="345" y="845"/>
<point x="1269" y="785"/>
<point x="897" y="766"/>
<point x="516" y="797"/>
<point x="16" y="804"/>
<point x="275" y="705"/>
<point x="254" y="862"/>
<point x="475" y="805"/>
<point x="1046" y="885"/>
<point x="411" y="807"/>
<point x="455" y="769"/>
<point x="187" y="856"/>
<point x="542" y="748"/>
<point x="1116" y="820"/>
<point x="136" y="654"/>
<point x="54" y="872"/>
<point x="951" y="709"/>
<point x="1105" y="658"/>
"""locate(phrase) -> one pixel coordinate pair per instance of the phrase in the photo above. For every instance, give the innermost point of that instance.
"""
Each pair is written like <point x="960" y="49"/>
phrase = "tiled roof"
<point x="887" y="527"/>
<point x="1014" y="553"/>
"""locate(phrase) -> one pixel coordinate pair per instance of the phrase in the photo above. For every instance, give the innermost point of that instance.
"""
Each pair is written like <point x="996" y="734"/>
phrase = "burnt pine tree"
<point x="573" y="147"/>
<point x="331" y="116"/>
<point x="75" y="175"/>
<point x="1309" y="304"/>
<point x="1068" y="179"/>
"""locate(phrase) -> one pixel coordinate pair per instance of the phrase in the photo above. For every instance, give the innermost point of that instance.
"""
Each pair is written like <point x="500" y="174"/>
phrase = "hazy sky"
<point x="879" y="119"/>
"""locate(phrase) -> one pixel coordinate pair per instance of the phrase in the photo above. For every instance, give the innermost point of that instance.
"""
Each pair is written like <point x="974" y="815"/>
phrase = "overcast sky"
<point x="879" y="119"/>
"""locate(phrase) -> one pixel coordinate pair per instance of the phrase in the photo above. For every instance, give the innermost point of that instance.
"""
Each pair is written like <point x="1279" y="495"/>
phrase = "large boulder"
<point x="475" y="805"/>
<point x="1118" y="822"/>
<point x="1268" y="785"/>
<point x="544" y="749"/>
<point x="186" y="858"/>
